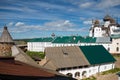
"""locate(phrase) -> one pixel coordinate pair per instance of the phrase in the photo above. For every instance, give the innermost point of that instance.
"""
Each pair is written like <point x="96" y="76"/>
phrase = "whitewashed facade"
<point x="108" y="28"/>
<point x="88" y="71"/>
<point x="113" y="47"/>
<point x="38" y="46"/>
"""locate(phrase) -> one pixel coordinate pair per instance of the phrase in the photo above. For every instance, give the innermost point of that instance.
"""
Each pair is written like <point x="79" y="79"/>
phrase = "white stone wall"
<point x="112" y="28"/>
<point x="90" y="33"/>
<point x="112" y="47"/>
<point x="38" y="46"/>
<point x="118" y="77"/>
<point x="106" y="23"/>
<point x="115" y="44"/>
<point x="91" y="70"/>
<point x="98" y="32"/>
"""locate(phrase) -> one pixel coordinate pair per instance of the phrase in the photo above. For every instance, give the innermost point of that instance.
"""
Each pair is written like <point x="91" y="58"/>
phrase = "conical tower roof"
<point x="6" y="37"/>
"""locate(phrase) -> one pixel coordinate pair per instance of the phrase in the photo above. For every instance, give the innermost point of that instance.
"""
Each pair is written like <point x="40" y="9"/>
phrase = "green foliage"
<point x="37" y="54"/>
<point x="115" y="70"/>
<point x="116" y="56"/>
<point x="90" y="78"/>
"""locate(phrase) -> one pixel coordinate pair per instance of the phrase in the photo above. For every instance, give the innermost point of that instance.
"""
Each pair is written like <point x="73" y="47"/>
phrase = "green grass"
<point x="116" y="56"/>
<point x="37" y="54"/>
<point x="115" y="70"/>
<point x="90" y="78"/>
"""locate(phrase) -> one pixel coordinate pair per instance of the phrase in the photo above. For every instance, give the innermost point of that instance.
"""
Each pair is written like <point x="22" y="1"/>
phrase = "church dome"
<point x="96" y="22"/>
<point x="107" y="18"/>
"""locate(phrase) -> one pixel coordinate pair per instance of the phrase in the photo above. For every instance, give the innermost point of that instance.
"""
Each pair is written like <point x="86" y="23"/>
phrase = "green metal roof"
<point x="89" y="40"/>
<point x="67" y="39"/>
<point x="74" y="39"/>
<point x="48" y="39"/>
<point x="97" y="54"/>
<point x="115" y="36"/>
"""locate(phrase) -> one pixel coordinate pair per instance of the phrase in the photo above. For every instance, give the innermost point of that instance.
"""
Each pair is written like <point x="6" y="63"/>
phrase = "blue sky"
<point x="41" y="18"/>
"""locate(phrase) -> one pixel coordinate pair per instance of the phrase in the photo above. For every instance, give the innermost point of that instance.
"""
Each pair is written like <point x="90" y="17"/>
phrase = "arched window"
<point x="69" y="74"/>
<point x="108" y="49"/>
<point x="84" y="73"/>
<point x="77" y="74"/>
<point x="117" y="49"/>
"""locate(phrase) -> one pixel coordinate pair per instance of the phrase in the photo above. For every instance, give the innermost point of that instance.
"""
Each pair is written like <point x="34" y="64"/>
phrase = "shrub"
<point x="115" y="70"/>
<point x="90" y="78"/>
<point x="33" y="54"/>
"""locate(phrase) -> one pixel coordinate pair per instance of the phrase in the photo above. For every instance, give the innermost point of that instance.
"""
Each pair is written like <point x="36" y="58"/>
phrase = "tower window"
<point x="108" y="49"/>
<point x="117" y="49"/>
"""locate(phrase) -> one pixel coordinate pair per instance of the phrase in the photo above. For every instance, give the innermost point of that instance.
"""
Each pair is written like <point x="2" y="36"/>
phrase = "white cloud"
<point x="60" y="25"/>
<point x="82" y="18"/>
<point x="10" y="24"/>
<point x="86" y="5"/>
<point x="87" y="22"/>
<point x="19" y="24"/>
<point x="108" y="3"/>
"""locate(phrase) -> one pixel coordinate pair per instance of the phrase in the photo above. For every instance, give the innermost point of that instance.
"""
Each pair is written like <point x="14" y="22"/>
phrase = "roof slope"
<point x="63" y="57"/>
<point x="21" y="69"/>
<point x="24" y="58"/>
<point x="15" y="70"/>
<point x="75" y="56"/>
<point x="6" y="37"/>
<point x="115" y="36"/>
<point x="97" y="54"/>
<point x="103" y="40"/>
<point x="74" y="39"/>
<point x="67" y="39"/>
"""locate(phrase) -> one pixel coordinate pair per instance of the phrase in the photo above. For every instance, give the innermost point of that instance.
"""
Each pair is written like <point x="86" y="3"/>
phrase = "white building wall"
<point x="91" y="70"/>
<point x="115" y="44"/>
<point x="97" y="32"/>
<point x="38" y="46"/>
<point x="107" y="23"/>
<point x="112" y="28"/>
<point x="90" y="33"/>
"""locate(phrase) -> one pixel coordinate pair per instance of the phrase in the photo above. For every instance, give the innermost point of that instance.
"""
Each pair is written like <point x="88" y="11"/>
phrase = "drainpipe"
<point x="99" y="69"/>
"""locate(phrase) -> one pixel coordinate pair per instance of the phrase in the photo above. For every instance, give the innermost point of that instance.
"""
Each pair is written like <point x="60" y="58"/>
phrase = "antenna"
<point x="116" y="19"/>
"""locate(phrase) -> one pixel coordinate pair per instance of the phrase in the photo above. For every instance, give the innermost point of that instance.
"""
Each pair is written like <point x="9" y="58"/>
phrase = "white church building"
<point x="108" y="28"/>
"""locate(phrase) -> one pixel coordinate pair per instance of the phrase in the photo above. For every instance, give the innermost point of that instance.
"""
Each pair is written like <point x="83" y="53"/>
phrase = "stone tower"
<point x="6" y="42"/>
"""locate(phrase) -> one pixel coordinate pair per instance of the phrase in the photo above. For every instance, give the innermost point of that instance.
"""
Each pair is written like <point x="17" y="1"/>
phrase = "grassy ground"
<point x="33" y="54"/>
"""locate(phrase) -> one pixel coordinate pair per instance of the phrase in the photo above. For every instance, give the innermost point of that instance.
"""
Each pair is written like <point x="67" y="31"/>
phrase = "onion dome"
<point x="112" y="21"/>
<point x="53" y="35"/>
<point x="107" y="18"/>
<point x="96" y="22"/>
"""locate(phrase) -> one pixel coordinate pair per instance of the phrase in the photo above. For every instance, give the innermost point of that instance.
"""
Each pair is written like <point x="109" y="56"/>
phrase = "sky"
<point x="41" y="18"/>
